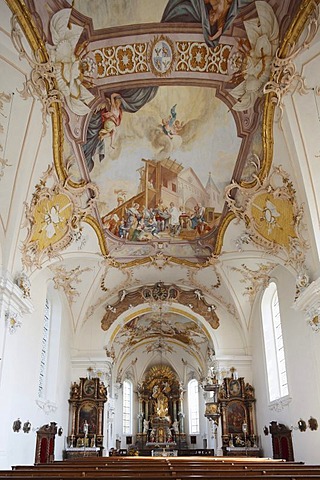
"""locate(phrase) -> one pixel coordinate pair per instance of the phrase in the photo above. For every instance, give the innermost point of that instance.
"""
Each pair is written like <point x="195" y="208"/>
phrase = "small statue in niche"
<point x="175" y="426"/>
<point x="145" y="426"/>
<point x="80" y="442"/>
<point x="75" y="390"/>
<point x="238" y="441"/>
<point x="102" y="390"/>
<point x="85" y="428"/>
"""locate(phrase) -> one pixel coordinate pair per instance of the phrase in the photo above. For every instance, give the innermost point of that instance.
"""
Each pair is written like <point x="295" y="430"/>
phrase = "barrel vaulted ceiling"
<point x="157" y="165"/>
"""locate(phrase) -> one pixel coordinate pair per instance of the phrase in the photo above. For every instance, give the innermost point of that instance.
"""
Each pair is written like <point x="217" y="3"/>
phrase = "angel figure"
<point x="111" y="117"/>
<point x="170" y="125"/>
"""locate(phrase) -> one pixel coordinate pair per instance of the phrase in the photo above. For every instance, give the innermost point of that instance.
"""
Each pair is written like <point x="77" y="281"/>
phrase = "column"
<point x="174" y="410"/>
<point x="100" y="420"/>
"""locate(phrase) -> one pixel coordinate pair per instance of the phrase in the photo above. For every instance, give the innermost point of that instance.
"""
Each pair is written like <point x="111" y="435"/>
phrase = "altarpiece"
<point x="87" y="399"/>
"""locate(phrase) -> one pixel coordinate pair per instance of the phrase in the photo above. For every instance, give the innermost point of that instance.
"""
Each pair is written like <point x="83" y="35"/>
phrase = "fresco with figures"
<point x="163" y="113"/>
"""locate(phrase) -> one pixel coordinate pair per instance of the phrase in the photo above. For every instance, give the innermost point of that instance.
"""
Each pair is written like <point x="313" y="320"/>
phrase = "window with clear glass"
<point x="273" y="343"/>
<point x="193" y="401"/>
<point x="127" y="408"/>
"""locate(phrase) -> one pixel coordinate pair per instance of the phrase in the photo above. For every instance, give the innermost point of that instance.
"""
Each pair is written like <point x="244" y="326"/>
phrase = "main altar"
<point x="161" y="417"/>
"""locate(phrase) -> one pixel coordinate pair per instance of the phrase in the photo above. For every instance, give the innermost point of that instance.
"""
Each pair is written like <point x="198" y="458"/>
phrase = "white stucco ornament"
<point x="65" y="37"/>
<point x="263" y="36"/>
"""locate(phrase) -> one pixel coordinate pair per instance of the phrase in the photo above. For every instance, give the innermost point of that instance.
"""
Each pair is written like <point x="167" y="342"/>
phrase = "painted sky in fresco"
<point x="111" y="13"/>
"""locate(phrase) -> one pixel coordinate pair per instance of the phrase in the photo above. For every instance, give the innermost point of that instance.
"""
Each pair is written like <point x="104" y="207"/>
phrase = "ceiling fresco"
<point x="165" y="331"/>
<point x="160" y="118"/>
<point x="151" y="144"/>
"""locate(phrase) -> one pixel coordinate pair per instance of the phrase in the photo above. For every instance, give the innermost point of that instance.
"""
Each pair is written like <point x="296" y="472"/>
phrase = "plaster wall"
<point x="20" y="380"/>
<point x="302" y="361"/>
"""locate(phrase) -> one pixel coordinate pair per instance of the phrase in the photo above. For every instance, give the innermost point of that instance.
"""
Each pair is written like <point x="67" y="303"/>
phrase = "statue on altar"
<point x="145" y="426"/>
<point x="161" y="399"/>
<point x="161" y="407"/>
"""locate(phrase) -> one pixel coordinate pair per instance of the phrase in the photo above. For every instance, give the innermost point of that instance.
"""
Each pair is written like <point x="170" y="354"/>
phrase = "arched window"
<point x="44" y="349"/>
<point x="50" y="347"/>
<point x="127" y="408"/>
<point x="273" y="344"/>
<point x="193" y="402"/>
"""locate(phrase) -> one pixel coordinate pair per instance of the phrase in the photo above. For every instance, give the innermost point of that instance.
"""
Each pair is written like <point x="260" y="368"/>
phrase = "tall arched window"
<point x="127" y="408"/>
<point x="193" y="402"/>
<point x="44" y="349"/>
<point x="50" y="347"/>
<point x="273" y="344"/>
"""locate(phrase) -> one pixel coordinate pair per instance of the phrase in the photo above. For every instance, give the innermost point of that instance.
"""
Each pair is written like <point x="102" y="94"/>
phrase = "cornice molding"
<point x="13" y="301"/>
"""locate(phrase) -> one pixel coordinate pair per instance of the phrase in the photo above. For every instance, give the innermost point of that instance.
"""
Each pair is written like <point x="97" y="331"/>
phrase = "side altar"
<point x="161" y="417"/>
<point x="87" y="399"/>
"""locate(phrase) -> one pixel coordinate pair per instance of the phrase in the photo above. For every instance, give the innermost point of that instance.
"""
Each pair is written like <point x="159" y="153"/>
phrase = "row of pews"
<point x="156" y="468"/>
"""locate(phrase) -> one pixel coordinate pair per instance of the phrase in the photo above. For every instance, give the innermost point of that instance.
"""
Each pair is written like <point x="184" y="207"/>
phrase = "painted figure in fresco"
<point x="174" y="220"/>
<point x="198" y="215"/>
<point x="111" y="118"/>
<point x="133" y="217"/>
<point x="217" y="15"/>
<point x="123" y="229"/>
<point x="151" y="226"/>
<point x="171" y="126"/>
<point x="121" y="196"/>
<point x="162" y="216"/>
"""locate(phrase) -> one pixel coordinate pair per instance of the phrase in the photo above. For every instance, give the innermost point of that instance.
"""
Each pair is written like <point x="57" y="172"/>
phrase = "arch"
<point x="142" y="309"/>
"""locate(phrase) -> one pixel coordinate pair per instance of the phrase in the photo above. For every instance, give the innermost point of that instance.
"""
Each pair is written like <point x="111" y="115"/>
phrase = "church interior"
<point x="159" y="231"/>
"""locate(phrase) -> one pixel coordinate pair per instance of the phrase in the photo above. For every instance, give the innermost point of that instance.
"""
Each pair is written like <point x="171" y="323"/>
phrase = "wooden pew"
<point x="155" y="468"/>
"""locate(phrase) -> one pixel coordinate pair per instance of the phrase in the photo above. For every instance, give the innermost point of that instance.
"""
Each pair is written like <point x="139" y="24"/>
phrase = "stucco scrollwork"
<point x="273" y="218"/>
<point x="64" y="280"/>
<point x="42" y="81"/>
<point x="54" y="217"/>
<point x="4" y="98"/>
<point x="12" y="321"/>
<point x="160" y="292"/>
<point x="72" y="70"/>
<point x="255" y="279"/>
<point x="284" y="75"/>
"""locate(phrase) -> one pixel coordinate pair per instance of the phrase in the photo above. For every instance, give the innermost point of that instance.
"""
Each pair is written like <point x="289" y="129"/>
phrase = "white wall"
<point x="20" y="379"/>
<point x="302" y="359"/>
